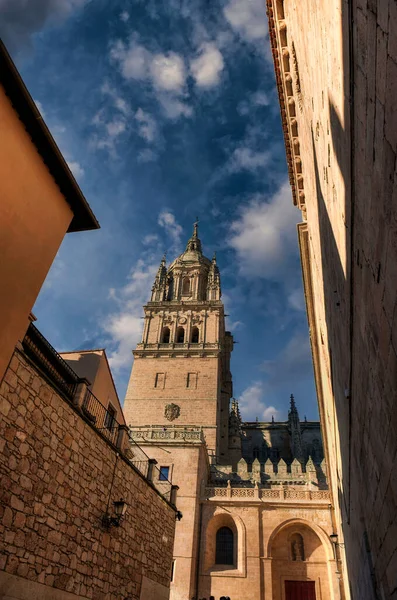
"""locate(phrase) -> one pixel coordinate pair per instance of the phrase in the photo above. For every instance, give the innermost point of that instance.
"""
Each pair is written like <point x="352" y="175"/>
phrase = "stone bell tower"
<point x="181" y="372"/>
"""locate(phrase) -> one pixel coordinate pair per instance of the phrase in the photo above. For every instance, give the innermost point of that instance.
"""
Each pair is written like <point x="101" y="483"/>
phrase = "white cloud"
<point x="124" y="16"/>
<point x="115" y="127"/>
<point x="207" y="68"/>
<point x="233" y="325"/>
<point x="146" y="155"/>
<point x="259" y="98"/>
<point x="134" y="60"/>
<point x="247" y="18"/>
<point x="165" y="72"/>
<point x="167" y="221"/>
<point x="118" y="102"/>
<point x="296" y="299"/>
<point x="168" y="72"/>
<point x="264" y="236"/>
<point x="147" y="127"/>
<point x="150" y="239"/>
<point x="244" y="158"/>
<point x="76" y="169"/>
<point x="125" y="325"/>
<point x="173" y="107"/>
<point x="252" y="404"/>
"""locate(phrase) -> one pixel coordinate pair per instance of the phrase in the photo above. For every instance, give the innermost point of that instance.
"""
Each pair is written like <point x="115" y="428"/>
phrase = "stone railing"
<point x="171" y="433"/>
<point x="279" y="494"/>
<point x="174" y="346"/>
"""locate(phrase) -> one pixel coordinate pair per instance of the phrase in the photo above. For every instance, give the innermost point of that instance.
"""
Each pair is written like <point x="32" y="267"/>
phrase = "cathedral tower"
<point x="181" y="373"/>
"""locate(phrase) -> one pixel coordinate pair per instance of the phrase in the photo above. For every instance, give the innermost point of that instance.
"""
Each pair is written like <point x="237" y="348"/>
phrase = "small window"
<point x="110" y="418"/>
<point x="159" y="380"/>
<point x="186" y="286"/>
<point x="195" y="335"/>
<point x="165" y="335"/>
<point x="180" y="335"/>
<point x="191" y="381"/>
<point x="224" y="546"/>
<point x="164" y="471"/>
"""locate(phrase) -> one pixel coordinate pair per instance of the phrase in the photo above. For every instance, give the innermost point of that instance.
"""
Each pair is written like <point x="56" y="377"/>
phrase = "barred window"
<point x="110" y="418"/>
<point x="224" y="546"/>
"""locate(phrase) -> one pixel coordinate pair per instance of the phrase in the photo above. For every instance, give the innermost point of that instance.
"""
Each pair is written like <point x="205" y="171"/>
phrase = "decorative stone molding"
<point x="172" y="411"/>
<point x="289" y="91"/>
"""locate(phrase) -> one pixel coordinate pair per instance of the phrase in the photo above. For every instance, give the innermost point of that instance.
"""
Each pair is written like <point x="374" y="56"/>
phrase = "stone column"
<point x="81" y="390"/>
<point x="174" y="490"/>
<point x="122" y="442"/>
<point x="152" y="462"/>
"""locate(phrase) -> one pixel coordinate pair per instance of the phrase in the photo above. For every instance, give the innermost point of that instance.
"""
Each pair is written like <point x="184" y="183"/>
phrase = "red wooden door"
<point x="300" y="590"/>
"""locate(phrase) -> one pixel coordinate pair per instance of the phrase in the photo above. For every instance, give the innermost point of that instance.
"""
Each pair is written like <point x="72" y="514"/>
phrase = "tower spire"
<point x="194" y="243"/>
<point x="158" y="289"/>
<point x="295" y="430"/>
<point x="195" y="228"/>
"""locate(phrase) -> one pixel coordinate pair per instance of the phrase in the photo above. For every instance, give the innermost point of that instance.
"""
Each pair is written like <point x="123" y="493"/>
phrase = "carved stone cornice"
<point x="286" y="66"/>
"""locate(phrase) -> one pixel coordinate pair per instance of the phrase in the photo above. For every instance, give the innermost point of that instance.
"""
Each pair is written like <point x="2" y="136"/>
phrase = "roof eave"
<point x="83" y="217"/>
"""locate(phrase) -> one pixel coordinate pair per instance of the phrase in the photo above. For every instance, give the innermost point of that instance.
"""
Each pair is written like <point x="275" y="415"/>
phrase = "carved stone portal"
<point x="171" y="411"/>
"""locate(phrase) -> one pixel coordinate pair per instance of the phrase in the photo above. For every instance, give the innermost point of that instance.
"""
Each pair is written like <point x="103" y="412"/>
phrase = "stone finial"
<point x="256" y="466"/>
<point x="296" y="467"/>
<point x="269" y="467"/>
<point x="323" y="466"/>
<point x="256" y="470"/>
<point x="242" y="468"/>
<point x="310" y="466"/>
<point x="282" y="468"/>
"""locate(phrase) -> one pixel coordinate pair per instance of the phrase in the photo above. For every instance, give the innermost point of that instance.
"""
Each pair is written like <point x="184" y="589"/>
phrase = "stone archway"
<point x="301" y="552"/>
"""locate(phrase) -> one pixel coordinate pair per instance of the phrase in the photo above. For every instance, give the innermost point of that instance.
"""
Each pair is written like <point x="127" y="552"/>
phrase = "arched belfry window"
<point x="165" y="335"/>
<point x="180" y="335"/>
<point x="224" y="553"/>
<point x="195" y="335"/>
<point x="186" y="286"/>
<point x="297" y="547"/>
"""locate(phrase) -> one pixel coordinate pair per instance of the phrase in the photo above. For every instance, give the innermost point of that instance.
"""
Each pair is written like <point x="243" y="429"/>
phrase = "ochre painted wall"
<point x="34" y="218"/>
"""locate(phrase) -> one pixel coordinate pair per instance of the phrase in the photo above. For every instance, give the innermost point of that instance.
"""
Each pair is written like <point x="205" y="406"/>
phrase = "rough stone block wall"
<point x="57" y="477"/>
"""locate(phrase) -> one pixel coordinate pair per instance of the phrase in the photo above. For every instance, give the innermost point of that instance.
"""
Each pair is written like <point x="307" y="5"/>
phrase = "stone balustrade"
<point x="279" y="494"/>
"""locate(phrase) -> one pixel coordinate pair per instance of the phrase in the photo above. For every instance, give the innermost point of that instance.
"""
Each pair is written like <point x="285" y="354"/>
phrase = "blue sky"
<point x="165" y="111"/>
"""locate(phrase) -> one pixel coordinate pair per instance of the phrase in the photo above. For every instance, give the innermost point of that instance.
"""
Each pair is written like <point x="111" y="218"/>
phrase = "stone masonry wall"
<point x="338" y="68"/>
<point x="56" y="481"/>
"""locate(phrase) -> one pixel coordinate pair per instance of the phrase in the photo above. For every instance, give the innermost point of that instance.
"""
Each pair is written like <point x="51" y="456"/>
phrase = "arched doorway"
<point x="300" y="555"/>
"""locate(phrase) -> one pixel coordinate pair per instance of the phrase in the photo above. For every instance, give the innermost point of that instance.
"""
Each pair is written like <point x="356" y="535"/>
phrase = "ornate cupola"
<point x="187" y="276"/>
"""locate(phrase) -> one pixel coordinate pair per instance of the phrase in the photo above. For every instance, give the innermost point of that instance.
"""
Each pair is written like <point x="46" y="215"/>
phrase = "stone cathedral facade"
<point x="256" y="512"/>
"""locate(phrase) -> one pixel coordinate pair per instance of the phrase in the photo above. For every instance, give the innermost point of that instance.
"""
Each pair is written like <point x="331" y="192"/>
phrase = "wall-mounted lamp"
<point x="120" y="508"/>
<point x="334" y="539"/>
<point x="178" y="515"/>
